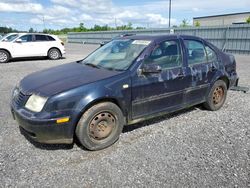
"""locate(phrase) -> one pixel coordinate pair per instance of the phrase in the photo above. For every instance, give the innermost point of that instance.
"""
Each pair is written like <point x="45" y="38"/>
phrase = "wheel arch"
<point x="225" y="79"/>
<point x="54" y="48"/>
<point x="97" y="101"/>
<point x="6" y="51"/>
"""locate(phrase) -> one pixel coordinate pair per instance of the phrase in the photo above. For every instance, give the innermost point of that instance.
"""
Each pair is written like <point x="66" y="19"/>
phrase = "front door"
<point x="157" y="92"/>
<point x="23" y="48"/>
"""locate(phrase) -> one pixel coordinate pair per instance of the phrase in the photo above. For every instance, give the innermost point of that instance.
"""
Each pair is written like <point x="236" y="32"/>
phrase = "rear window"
<point x="41" y="38"/>
<point x="196" y="52"/>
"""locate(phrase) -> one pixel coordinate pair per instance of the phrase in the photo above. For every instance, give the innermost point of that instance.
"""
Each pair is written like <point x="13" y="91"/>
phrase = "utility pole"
<point x="115" y="24"/>
<point x="169" y="16"/>
<point x="43" y="22"/>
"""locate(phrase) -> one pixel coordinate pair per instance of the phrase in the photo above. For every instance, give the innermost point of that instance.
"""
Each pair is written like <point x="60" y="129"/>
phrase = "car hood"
<point x="62" y="78"/>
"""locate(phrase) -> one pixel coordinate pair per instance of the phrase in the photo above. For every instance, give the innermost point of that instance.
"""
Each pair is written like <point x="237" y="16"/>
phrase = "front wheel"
<point x="54" y="54"/>
<point x="4" y="56"/>
<point x="100" y="126"/>
<point x="217" y="96"/>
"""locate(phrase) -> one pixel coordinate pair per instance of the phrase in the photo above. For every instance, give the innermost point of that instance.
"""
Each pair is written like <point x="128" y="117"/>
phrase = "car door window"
<point x="196" y="52"/>
<point x="41" y="38"/>
<point x="167" y="55"/>
<point x="211" y="55"/>
<point x="26" y="38"/>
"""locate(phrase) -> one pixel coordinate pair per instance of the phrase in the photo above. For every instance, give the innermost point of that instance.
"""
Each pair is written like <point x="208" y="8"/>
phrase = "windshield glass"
<point x="117" y="54"/>
<point x="11" y="38"/>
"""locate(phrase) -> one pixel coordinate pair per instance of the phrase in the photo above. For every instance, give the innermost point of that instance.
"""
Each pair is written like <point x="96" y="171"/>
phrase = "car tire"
<point x="217" y="96"/>
<point x="100" y="126"/>
<point x="54" y="54"/>
<point x="4" y="56"/>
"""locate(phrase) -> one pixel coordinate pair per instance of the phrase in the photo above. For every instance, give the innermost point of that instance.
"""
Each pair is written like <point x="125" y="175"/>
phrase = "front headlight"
<point x="35" y="103"/>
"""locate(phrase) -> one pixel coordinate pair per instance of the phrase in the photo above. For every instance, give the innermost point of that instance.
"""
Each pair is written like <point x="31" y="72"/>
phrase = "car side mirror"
<point x="102" y="43"/>
<point x="150" y="68"/>
<point x="19" y="41"/>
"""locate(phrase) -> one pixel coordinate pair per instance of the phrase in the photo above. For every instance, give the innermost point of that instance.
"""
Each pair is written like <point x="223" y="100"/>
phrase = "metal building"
<point x="221" y="20"/>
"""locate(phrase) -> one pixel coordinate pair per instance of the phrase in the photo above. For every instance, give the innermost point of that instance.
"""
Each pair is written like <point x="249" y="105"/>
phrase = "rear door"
<point x="164" y="91"/>
<point x="41" y="45"/>
<point x="202" y="64"/>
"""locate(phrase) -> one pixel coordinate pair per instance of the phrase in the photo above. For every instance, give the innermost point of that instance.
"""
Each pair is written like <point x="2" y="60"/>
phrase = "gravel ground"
<point x="191" y="148"/>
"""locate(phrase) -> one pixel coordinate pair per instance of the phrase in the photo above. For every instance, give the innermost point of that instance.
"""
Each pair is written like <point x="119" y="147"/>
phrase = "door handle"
<point x="212" y="69"/>
<point x="180" y="76"/>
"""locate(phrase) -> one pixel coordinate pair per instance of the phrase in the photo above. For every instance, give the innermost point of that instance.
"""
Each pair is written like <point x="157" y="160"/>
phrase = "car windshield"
<point x="9" y="37"/>
<point x="117" y="54"/>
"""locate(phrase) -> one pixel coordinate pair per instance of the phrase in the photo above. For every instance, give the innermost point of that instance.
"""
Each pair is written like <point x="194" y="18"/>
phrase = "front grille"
<point x="20" y="98"/>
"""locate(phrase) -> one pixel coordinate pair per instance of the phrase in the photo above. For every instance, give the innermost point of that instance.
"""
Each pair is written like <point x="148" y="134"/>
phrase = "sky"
<point x="57" y="14"/>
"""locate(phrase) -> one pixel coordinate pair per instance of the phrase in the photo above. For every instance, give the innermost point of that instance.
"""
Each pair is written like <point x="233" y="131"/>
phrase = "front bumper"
<point x="44" y="130"/>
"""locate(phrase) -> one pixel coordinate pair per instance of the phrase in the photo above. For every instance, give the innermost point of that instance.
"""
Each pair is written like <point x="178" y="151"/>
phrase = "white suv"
<point x="32" y="45"/>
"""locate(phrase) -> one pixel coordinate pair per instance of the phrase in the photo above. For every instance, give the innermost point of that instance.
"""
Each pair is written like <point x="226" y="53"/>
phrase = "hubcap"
<point x="54" y="54"/>
<point x="218" y="95"/>
<point x="3" y="57"/>
<point x="101" y="126"/>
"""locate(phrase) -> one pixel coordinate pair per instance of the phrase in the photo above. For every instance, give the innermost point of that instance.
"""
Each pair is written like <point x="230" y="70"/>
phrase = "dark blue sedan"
<point x="128" y="80"/>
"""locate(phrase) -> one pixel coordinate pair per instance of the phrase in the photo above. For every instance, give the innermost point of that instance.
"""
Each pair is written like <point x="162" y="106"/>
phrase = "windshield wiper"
<point x="113" y="69"/>
<point x="92" y="65"/>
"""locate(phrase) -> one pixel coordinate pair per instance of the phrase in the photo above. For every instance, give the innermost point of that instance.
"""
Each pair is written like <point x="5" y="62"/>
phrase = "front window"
<point x="26" y="38"/>
<point x="117" y="54"/>
<point x="167" y="55"/>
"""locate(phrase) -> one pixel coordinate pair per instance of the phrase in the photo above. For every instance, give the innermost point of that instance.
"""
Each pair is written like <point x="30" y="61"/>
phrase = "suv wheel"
<point x="100" y="126"/>
<point x="54" y="54"/>
<point x="4" y="56"/>
<point x="216" y="96"/>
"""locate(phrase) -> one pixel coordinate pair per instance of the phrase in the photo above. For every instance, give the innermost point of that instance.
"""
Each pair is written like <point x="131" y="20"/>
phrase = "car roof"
<point x="157" y="38"/>
<point x="35" y="34"/>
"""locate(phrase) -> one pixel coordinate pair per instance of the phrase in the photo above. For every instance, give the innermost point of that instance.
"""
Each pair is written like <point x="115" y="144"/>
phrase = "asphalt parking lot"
<point x="191" y="148"/>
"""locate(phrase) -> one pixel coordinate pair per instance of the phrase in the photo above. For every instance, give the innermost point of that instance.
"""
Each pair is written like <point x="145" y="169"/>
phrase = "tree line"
<point x="82" y="28"/>
<point x="7" y="30"/>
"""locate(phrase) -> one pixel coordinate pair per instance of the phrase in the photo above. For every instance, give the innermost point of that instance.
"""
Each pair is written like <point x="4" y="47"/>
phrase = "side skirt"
<point x="165" y="112"/>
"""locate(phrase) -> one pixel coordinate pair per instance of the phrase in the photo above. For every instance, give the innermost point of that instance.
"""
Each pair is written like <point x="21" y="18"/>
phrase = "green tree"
<point x="248" y="20"/>
<point x="197" y="24"/>
<point x="7" y="30"/>
<point x="129" y="26"/>
<point x="31" y="30"/>
<point x="184" y="23"/>
<point x="81" y="27"/>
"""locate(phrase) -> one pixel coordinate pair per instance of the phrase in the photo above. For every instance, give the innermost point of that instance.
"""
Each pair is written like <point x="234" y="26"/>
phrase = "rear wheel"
<point x="100" y="126"/>
<point x="54" y="54"/>
<point x="217" y="96"/>
<point x="4" y="56"/>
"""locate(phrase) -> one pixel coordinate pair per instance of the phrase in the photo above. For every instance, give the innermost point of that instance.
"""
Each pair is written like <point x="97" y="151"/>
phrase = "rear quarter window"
<point x="51" y="38"/>
<point x="211" y="55"/>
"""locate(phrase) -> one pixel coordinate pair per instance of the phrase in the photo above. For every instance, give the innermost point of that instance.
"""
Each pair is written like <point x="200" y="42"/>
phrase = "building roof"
<point x="232" y="14"/>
